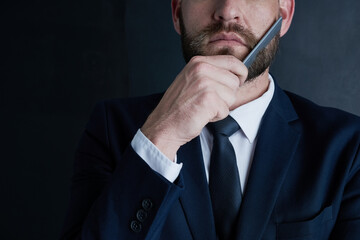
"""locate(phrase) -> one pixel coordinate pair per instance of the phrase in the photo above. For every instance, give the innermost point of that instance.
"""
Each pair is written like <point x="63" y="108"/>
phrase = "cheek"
<point x="262" y="19"/>
<point x="197" y="14"/>
<point x="195" y="21"/>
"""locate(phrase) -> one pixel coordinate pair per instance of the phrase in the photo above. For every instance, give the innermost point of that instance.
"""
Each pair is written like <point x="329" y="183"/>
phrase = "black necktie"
<point x="224" y="181"/>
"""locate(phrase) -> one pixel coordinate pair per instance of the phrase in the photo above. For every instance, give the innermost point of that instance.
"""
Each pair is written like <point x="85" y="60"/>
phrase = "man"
<point x="144" y="168"/>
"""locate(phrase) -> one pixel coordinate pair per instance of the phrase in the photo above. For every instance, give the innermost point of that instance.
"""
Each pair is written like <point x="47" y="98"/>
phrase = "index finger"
<point x="227" y="62"/>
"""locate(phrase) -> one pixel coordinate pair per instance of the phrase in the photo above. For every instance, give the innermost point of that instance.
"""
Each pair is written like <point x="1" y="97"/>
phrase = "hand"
<point x="204" y="91"/>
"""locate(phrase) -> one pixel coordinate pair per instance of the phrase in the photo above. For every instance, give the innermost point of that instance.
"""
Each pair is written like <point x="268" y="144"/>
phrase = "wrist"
<point x="164" y="143"/>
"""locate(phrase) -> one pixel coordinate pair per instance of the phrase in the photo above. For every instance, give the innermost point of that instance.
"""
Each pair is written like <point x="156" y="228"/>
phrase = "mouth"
<point x="227" y="38"/>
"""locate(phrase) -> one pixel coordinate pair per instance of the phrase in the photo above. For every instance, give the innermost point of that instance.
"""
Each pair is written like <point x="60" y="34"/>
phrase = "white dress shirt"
<point x="248" y="116"/>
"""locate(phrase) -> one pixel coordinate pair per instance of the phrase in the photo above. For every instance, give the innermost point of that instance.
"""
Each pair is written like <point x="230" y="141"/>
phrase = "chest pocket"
<point x="306" y="230"/>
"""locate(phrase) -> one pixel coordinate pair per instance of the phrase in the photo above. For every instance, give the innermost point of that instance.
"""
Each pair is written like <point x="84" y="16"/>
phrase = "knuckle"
<point x="208" y="98"/>
<point x="195" y="59"/>
<point x="202" y="83"/>
<point x="199" y="67"/>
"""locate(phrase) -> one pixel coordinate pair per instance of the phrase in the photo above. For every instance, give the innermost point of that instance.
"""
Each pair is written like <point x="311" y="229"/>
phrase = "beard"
<point x="196" y="45"/>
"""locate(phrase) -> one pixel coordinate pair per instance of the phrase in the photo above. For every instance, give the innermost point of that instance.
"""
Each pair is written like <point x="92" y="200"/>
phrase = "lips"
<point x="229" y="37"/>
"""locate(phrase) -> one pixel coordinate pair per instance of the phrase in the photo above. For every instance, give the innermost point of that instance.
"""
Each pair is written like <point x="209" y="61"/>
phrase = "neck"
<point x="252" y="89"/>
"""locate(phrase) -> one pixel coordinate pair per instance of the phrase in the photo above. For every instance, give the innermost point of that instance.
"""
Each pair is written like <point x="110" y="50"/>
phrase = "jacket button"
<point x="141" y="215"/>
<point x="147" y="204"/>
<point x="135" y="226"/>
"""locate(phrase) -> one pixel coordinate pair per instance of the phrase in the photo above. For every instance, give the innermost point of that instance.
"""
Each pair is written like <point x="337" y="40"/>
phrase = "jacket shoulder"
<point x="321" y="116"/>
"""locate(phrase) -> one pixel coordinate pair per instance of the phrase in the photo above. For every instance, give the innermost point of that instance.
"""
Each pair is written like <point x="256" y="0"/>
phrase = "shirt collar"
<point x="249" y="115"/>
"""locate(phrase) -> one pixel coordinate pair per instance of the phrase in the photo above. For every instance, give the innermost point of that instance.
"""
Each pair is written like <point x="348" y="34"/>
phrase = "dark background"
<point x="58" y="58"/>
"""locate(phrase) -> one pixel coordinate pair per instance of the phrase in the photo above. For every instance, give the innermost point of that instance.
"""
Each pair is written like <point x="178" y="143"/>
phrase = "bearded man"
<point x="224" y="153"/>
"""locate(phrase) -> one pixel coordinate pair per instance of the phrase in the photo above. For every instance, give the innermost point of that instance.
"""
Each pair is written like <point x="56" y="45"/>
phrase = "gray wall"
<point x="319" y="57"/>
<point x="60" y="57"/>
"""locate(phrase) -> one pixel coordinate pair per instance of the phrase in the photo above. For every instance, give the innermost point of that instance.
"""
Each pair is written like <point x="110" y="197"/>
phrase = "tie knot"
<point x="228" y="126"/>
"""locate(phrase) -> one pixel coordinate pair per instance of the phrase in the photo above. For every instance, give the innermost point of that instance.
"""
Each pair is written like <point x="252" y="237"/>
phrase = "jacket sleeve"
<point x="115" y="196"/>
<point x="347" y="226"/>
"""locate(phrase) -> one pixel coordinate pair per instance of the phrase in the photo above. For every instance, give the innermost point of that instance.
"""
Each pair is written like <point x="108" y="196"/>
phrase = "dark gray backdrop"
<point x="60" y="57"/>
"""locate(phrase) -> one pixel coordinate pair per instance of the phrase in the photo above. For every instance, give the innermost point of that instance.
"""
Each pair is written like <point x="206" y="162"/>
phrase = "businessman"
<point x="224" y="153"/>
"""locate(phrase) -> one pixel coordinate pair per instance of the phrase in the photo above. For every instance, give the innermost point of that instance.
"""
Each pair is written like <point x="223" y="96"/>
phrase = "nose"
<point x="228" y="11"/>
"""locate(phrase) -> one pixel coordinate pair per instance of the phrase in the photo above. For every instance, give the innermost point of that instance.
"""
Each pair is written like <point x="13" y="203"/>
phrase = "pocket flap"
<point x="297" y="229"/>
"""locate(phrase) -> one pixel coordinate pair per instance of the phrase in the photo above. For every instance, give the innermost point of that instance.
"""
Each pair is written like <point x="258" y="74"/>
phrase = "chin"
<point x="225" y="51"/>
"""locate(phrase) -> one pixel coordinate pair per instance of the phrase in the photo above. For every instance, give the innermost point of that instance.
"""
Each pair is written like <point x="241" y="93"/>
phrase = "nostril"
<point x="227" y="14"/>
<point x="228" y="18"/>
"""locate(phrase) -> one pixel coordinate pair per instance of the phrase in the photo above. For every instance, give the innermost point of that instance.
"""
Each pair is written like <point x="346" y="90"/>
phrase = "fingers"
<point x="203" y="71"/>
<point x="215" y="77"/>
<point x="209" y="85"/>
<point x="224" y="62"/>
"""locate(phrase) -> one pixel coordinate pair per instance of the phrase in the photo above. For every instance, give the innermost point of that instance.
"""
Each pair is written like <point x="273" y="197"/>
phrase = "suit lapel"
<point x="195" y="200"/>
<point x="277" y="141"/>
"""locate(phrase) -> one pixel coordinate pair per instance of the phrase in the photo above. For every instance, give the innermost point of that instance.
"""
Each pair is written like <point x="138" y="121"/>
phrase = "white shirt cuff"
<point x="154" y="158"/>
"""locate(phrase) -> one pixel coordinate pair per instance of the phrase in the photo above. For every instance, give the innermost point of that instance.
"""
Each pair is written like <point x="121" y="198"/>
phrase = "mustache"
<point x="249" y="37"/>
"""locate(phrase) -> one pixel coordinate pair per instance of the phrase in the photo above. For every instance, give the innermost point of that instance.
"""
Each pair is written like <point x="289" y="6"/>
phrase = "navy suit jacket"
<point x="304" y="181"/>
